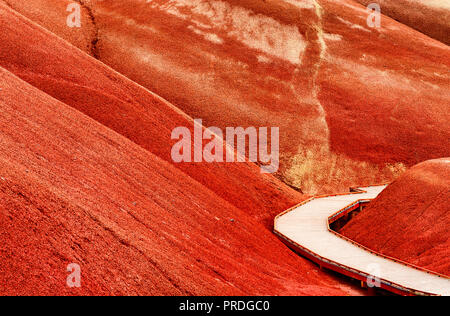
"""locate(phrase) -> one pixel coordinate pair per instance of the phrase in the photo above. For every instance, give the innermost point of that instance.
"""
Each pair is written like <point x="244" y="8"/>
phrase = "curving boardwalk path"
<point x="305" y="228"/>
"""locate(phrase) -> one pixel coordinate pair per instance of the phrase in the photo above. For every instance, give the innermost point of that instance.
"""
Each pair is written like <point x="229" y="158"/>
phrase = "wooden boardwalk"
<point x="305" y="228"/>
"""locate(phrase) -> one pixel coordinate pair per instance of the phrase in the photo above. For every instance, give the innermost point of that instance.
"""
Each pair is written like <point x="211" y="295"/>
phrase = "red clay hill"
<point x="85" y="170"/>
<point x="75" y="191"/>
<point x="410" y="220"/>
<point x="355" y="105"/>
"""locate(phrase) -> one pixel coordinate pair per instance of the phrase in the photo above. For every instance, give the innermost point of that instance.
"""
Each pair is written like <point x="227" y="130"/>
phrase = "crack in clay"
<point x="95" y="40"/>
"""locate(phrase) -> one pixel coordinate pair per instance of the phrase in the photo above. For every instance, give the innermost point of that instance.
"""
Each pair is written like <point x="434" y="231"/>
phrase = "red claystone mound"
<point x="410" y="220"/>
<point x="74" y="191"/>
